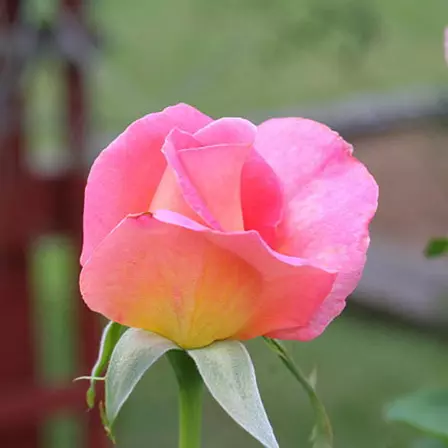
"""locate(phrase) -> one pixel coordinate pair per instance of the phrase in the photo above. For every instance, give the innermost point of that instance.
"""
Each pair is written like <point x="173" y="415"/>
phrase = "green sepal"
<point x="136" y="351"/>
<point x="229" y="374"/>
<point x="111" y="334"/>
<point x="224" y="366"/>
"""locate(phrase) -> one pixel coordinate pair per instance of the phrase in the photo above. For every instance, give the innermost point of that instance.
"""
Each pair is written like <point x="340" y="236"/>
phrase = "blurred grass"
<point x="361" y="363"/>
<point x="229" y="57"/>
<point x="240" y="57"/>
<point x="53" y="265"/>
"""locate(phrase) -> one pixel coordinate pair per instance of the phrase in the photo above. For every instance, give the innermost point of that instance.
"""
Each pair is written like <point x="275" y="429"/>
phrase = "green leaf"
<point x="134" y="354"/>
<point x="229" y="375"/>
<point x="111" y="334"/>
<point x="322" y="435"/>
<point x="426" y="411"/>
<point x="437" y="247"/>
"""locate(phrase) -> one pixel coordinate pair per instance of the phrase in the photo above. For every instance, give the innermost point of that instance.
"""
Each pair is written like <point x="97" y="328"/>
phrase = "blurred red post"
<point x="16" y="346"/>
<point x="28" y="206"/>
<point x="77" y="122"/>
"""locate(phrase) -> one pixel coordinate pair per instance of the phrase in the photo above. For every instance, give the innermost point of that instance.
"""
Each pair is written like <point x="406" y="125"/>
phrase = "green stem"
<point x="190" y="399"/>
<point x="324" y="433"/>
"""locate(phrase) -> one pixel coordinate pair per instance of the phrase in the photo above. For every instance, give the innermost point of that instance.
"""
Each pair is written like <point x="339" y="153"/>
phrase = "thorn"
<point x="312" y="378"/>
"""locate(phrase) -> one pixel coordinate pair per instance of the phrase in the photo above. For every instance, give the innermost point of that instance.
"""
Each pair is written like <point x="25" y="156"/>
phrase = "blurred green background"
<point x="245" y="57"/>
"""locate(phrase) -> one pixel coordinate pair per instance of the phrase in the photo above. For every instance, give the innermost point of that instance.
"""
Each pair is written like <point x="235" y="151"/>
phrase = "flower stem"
<point x="323" y="433"/>
<point x="190" y="399"/>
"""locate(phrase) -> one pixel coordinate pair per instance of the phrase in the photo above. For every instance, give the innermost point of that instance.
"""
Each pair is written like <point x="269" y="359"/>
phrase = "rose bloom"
<point x="202" y="230"/>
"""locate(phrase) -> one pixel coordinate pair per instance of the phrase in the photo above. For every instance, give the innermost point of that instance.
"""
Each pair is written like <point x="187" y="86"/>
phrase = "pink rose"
<point x="202" y="230"/>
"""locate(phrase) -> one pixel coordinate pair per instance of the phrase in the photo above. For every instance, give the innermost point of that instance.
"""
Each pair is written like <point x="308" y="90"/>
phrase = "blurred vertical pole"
<point x="16" y="339"/>
<point x="77" y="134"/>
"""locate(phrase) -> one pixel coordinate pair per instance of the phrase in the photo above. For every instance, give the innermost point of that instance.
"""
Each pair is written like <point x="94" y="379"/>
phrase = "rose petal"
<point x="208" y="181"/>
<point x="293" y="288"/>
<point x="125" y="175"/>
<point x="261" y="198"/>
<point x="330" y="198"/>
<point x="227" y="130"/>
<point x="261" y="195"/>
<point x="169" y="280"/>
<point x="194" y="285"/>
<point x="169" y="194"/>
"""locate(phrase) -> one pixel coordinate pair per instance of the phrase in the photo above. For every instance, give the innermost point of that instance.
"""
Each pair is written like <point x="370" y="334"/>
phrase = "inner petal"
<point x="203" y="183"/>
<point x="227" y="130"/>
<point x="169" y="197"/>
<point x="262" y="198"/>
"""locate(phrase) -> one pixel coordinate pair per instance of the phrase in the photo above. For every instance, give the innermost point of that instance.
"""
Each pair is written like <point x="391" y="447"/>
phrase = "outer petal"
<point x="207" y="179"/>
<point x="194" y="285"/>
<point x="125" y="175"/>
<point x="293" y="288"/>
<point x="330" y="198"/>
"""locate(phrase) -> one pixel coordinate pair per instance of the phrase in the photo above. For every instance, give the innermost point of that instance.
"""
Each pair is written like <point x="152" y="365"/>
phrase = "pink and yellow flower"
<point x="203" y="230"/>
